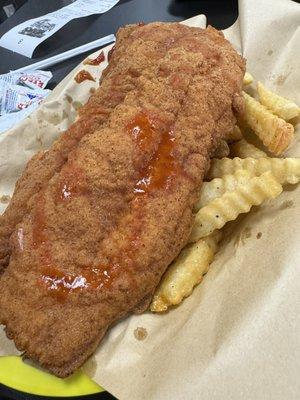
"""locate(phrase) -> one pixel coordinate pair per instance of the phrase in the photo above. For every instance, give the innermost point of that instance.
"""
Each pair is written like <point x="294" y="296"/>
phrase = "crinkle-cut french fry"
<point x="243" y="149"/>
<point x="235" y="134"/>
<point x="285" y="170"/>
<point x="185" y="273"/>
<point x="227" y="207"/>
<point x="275" y="133"/>
<point x="279" y="105"/>
<point x="248" y="78"/>
<point x="218" y="186"/>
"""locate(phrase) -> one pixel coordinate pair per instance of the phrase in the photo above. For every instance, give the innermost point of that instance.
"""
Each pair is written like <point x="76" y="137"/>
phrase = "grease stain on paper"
<point x="39" y="141"/>
<point x="286" y="204"/>
<point x="68" y="98"/>
<point x="5" y="199"/>
<point x="53" y="118"/>
<point x="64" y="114"/>
<point x="242" y="237"/>
<point x="282" y="78"/>
<point x="140" y="333"/>
<point x="77" y="105"/>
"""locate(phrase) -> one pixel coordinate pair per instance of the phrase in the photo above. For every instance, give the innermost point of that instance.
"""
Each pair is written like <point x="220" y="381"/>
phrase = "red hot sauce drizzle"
<point x="162" y="165"/>
<point x="156" y="173"/>
<point x="96" y="61"/>
<point x="60" y="284"/>
<point x="57" y="282"/>
<point x="83" y="75"/>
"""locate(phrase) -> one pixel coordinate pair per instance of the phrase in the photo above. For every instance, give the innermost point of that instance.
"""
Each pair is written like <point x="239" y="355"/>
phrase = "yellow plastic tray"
<point x="17" y="375"/>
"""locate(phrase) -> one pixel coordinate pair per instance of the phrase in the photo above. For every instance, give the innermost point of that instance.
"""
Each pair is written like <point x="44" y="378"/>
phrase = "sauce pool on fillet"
<point x="157" y="172"/>
<point x="83" y="75"/>
<point x="162" y="165"/>
<point x="60" y="284"/>
<point x="96" y="61"/>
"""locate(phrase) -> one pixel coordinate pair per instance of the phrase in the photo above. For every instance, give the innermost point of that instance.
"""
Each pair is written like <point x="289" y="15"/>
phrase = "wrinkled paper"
<point x="237" y="336"/>
<point x="25" y="37"/>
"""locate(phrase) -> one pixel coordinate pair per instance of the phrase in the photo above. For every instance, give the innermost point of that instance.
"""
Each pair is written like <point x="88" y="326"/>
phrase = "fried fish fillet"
<point x="127" y="62"/>
<point x="102" y="231"/>
<point x="45" y="164"/>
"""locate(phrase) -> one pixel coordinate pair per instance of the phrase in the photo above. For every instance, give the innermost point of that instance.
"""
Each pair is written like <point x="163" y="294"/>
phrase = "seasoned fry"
<point x="248" y="78"/>
<point x="275" y="133"/>
<point x="243" y="149"/>
<point x="185" y="273"/>
<point x="235" y="134"/>
<point x="227" y="207"/>
<point x="285" y="170"/>
<point x="238" y="183"/>
<point x="279" y="105"/>
<point x="218" y="186"/>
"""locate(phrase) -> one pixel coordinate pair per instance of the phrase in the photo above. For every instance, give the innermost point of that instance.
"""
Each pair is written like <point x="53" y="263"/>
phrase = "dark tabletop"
<point x="220" y="13"/>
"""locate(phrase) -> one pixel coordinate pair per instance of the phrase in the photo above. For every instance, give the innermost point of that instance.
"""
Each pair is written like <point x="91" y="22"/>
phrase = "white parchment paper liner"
<point x="237" y="336"/>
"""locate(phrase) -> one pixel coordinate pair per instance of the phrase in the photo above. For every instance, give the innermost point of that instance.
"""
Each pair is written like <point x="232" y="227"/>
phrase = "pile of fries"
<point x="233" y="186"/>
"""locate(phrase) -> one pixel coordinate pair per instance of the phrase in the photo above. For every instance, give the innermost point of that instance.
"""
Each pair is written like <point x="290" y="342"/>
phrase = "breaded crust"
<point x="101" y="233"/>
<point x="125" y="65"/>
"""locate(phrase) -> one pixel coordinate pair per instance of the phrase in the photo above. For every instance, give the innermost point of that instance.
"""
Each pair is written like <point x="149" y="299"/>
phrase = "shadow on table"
<point x="211" y="8"/>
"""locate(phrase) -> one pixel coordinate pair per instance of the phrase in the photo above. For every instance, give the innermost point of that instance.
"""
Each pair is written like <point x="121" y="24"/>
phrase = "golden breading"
<point x="102" y="231"/>
<point x="92" y="116"/>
